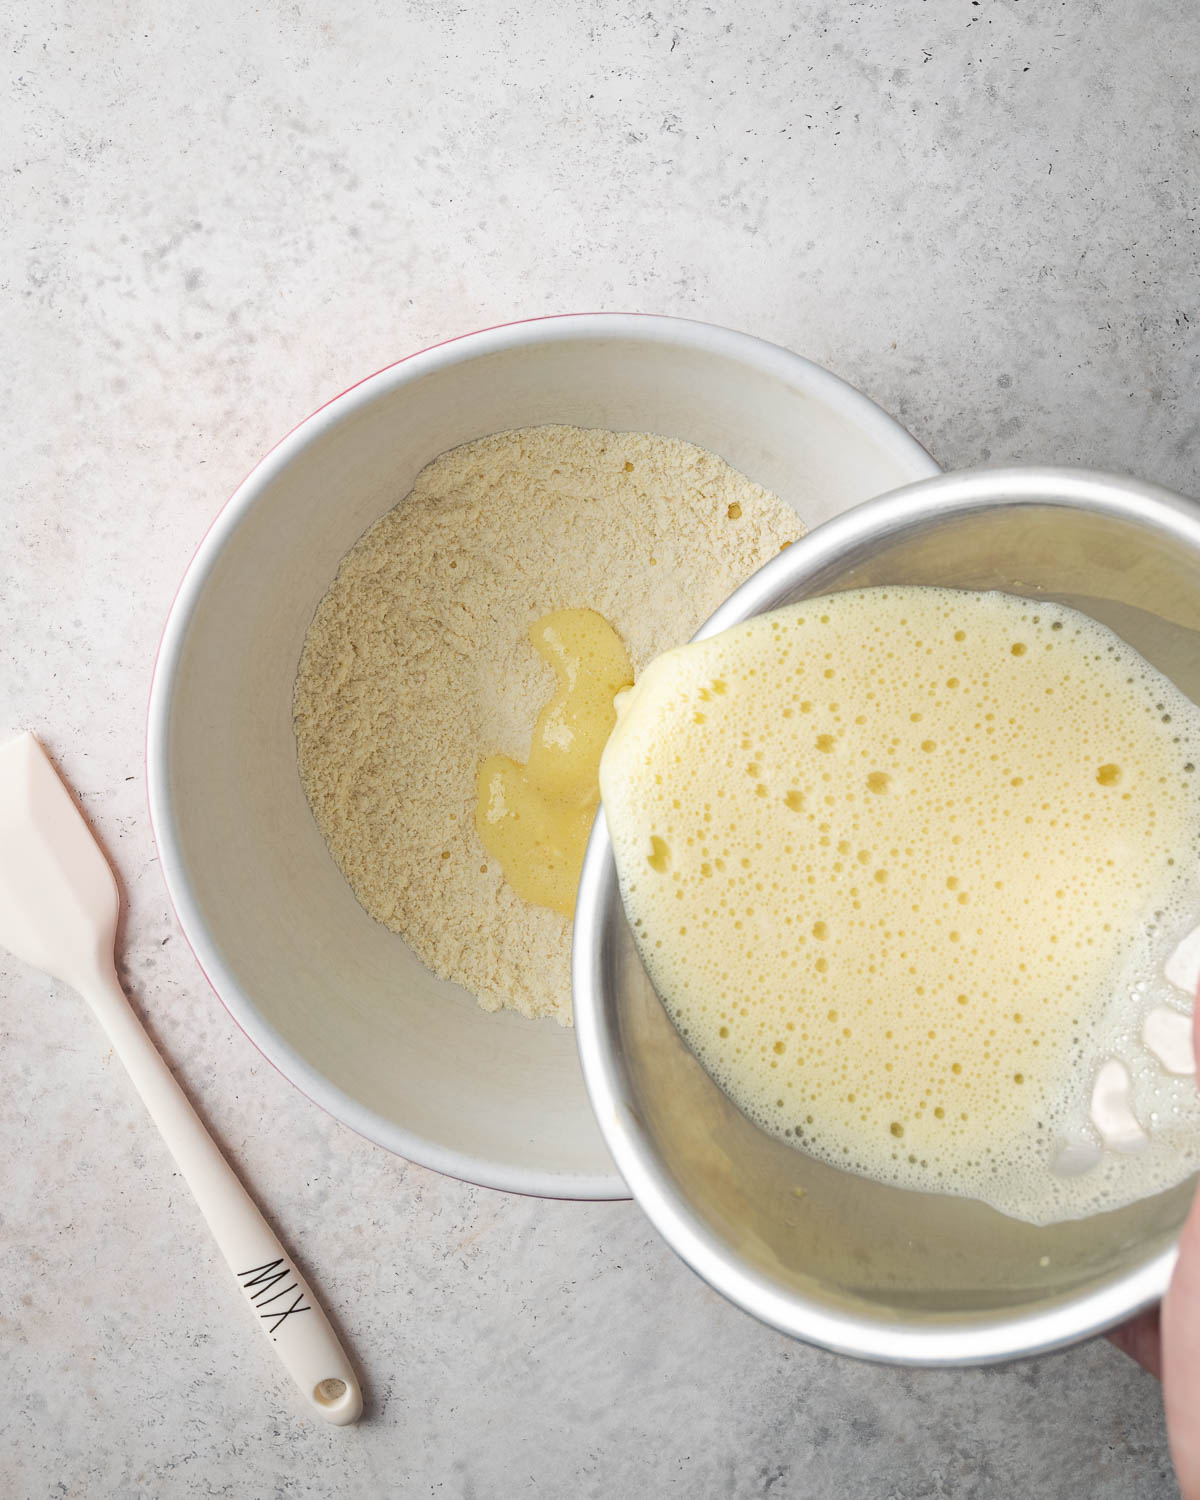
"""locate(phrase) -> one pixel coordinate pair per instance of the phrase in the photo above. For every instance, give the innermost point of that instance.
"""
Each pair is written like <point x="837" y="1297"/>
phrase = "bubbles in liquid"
<point x="659" y="854"/>
<point x="943" y="880"/>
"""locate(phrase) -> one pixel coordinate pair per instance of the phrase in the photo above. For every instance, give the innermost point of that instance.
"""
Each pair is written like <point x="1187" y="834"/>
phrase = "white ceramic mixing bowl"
<point x="337" y="1002"/>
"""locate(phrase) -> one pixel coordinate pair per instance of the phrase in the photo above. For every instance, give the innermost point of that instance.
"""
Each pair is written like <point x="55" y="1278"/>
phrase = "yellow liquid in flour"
<point x="889" y="856"/>
<point x="535" y="818"/>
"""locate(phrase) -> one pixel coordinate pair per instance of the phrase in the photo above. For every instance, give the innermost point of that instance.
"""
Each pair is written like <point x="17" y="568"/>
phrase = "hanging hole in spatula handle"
<point x="295" y="1324"/>
<point x="330" y="1391"/>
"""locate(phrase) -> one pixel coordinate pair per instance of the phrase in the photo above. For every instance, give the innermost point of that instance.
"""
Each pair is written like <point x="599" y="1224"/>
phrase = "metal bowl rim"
<point x="885" y="1339"/>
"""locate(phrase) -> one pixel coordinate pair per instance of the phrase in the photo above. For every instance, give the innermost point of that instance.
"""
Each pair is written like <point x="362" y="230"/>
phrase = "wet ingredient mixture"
<point x="905" y="866"/>
<point x="535" y="818"/>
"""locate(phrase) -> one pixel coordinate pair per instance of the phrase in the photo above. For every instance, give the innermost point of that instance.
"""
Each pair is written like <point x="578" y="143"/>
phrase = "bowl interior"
<point x="336" y="1000"/>
<point x="794" y="1239"/>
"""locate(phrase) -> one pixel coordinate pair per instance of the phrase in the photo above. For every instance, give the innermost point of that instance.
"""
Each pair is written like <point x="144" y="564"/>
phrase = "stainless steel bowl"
<point x="838" y="1260"/>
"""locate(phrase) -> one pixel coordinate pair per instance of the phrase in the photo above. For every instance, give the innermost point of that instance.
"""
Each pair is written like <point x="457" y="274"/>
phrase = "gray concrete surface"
<point x="213" y="218"/>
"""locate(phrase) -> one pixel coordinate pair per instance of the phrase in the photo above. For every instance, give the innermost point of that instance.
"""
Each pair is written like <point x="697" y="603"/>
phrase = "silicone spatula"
<point x="58" y="912"/>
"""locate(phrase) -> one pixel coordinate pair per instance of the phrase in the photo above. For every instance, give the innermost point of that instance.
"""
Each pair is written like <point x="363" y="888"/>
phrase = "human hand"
<point x="1166" y="1341"/>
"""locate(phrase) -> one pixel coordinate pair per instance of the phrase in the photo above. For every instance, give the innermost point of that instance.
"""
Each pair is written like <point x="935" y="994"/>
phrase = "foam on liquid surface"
<point x="904" y="865"/>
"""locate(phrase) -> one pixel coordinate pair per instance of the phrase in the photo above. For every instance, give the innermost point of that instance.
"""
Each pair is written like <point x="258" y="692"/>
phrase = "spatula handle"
<point x="280" y="1299"/>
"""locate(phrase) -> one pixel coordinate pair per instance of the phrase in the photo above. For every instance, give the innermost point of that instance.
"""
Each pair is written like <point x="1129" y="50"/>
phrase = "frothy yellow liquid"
<point x="898" y="862"/>
<point x="535" y="818"/>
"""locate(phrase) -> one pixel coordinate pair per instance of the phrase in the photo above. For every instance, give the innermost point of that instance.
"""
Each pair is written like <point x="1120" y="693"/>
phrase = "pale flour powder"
<point x="417" y="665"/>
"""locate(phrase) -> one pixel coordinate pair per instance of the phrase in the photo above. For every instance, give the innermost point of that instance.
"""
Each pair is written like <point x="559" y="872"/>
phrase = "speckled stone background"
<point x="214" y="217"/>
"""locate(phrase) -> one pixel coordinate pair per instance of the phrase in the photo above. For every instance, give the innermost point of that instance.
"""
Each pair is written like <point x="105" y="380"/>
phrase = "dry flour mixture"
<point x="417" y="665"/>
